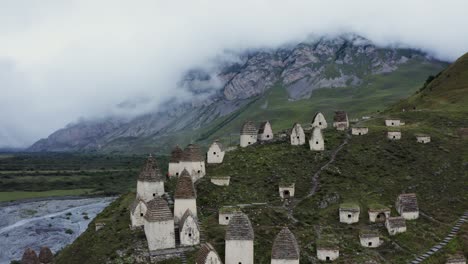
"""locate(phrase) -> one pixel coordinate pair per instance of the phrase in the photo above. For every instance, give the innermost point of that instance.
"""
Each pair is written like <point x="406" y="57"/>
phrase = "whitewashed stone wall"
<point x="239" y="251"/>
<point x="394" y="135"/>
<point x="214" y="155"/>
<point x="370" y="242"/>
<point x="221" y="181"/>
<point x="358" y="131"/>
<point x="174" y="169"/>
<point x="181" y="205"/>
<point x="224" y="217"/>
<point x="327" y="254"/>
<point x="410" y="215"/>
<point x="423" y="139"/>
<point x="196" y="169"/>
<point x="247" y="140"/>
<point x="374" y="216"/>
<point x="283" y="189"/>
<point x="189" y="232"/>
<point x="394" y="231"/>
<point x="317" y="142"/>
<point x="137" y="217"/>
<point x="348" y="217"/>
<point x="319" y="121"/>
<point x="297" y="136"/>
<point x="160" y="235"/>
<point x="392" y="122"/>
<point x="267" y="133"/>
<point x="148" y="190"/>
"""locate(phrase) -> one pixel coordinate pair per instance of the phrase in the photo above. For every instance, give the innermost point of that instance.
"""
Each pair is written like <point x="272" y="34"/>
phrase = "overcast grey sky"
<point x="62" y="60"/>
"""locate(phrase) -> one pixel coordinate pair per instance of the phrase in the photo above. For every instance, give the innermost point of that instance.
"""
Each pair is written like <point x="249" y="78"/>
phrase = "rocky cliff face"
<point x="328" y="62"/>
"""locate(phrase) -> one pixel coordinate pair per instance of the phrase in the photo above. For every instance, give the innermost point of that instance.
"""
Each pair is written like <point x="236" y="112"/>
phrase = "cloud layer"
<point x="62" y="60"/>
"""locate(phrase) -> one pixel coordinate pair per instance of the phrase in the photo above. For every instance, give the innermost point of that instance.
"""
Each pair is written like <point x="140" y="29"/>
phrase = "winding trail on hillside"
<point x="291" y="205"/>
<point x="455" y="229"/>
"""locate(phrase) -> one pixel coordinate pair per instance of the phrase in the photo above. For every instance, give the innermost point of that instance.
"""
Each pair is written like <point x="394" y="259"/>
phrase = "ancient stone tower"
<point x="137" y="212"/>
<point x="239" y="240"/>
<point x="248" y="134"/>
<point x="297" y="135"/>
<point x="174" y="163"/>
<point x="265" y="132"/>
<point x="150" y="181"/>
<point x="189" y="230"/>
<point x="319" y="121"/>
<point x="159" y="225"/>
<point x="185" y="196"/>
<point x="340" y="120"/>
<point x="193" y="161"/>
<point x="215" y="153"/>
<point x="316" y="141"/>
<point x="46" y="256"/>
<point x="285" y="248"/>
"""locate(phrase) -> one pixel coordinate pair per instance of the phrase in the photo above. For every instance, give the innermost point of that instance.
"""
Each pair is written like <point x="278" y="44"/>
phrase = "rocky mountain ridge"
<point x="344" y="61"/>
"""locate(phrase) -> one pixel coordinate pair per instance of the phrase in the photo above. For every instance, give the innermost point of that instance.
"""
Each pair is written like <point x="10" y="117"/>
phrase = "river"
<point x="53" y="223"/>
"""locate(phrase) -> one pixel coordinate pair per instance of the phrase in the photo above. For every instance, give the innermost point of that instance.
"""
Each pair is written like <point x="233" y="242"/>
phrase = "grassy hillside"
<point x="366" y="170"/>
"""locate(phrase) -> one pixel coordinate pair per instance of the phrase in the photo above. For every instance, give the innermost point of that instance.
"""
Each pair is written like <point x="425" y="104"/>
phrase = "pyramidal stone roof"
<point x="317" y="114"/>
<point x="158" y="211"/>
<point x="29" y="257"/>
<point x="408" y="202"/>
<point x="239" y="228"/>
<point x="248" y="128"/>
<point x="176" y="155"/>
<point x="192" y="153"/>
<point x="203" y="253"/>
<point x="45" y="255"/>
<point x="150" y="171"/>
<point x="261" y="129"/>
<point x="185" y="188"/>
<point x="285" y="246"/>
<point x="340" y="116"/>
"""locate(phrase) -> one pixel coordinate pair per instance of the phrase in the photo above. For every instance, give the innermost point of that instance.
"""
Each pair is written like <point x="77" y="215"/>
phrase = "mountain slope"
<point x="447" y="91"/>
<point x="326" y="73"/>
<point x="367" y="170"/>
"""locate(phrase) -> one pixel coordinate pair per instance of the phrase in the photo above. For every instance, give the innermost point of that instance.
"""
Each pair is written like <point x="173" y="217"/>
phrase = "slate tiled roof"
<point x="340" y="116"/>
<point x="285" y="246"/>
<point x="203" y="253"/>
<point x="261" y="129"/>
<point x="192" y="153"/>
<point x="408" y="202"/>
<point x="158" y="211"/>
<point x="368" y="233"/>
<point x="176" y="154"/>
<point x="150" y="171"/>
<point x="185" y="188"/>
<point x="239" y="228"/>
<point x="248" y="128"/>
<point x="396" y="222"/>
<point x="186" y="215"/>
<point x="45" y="255"/>
<point x="350" y="207"/>
<point x="29" y="257"/>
